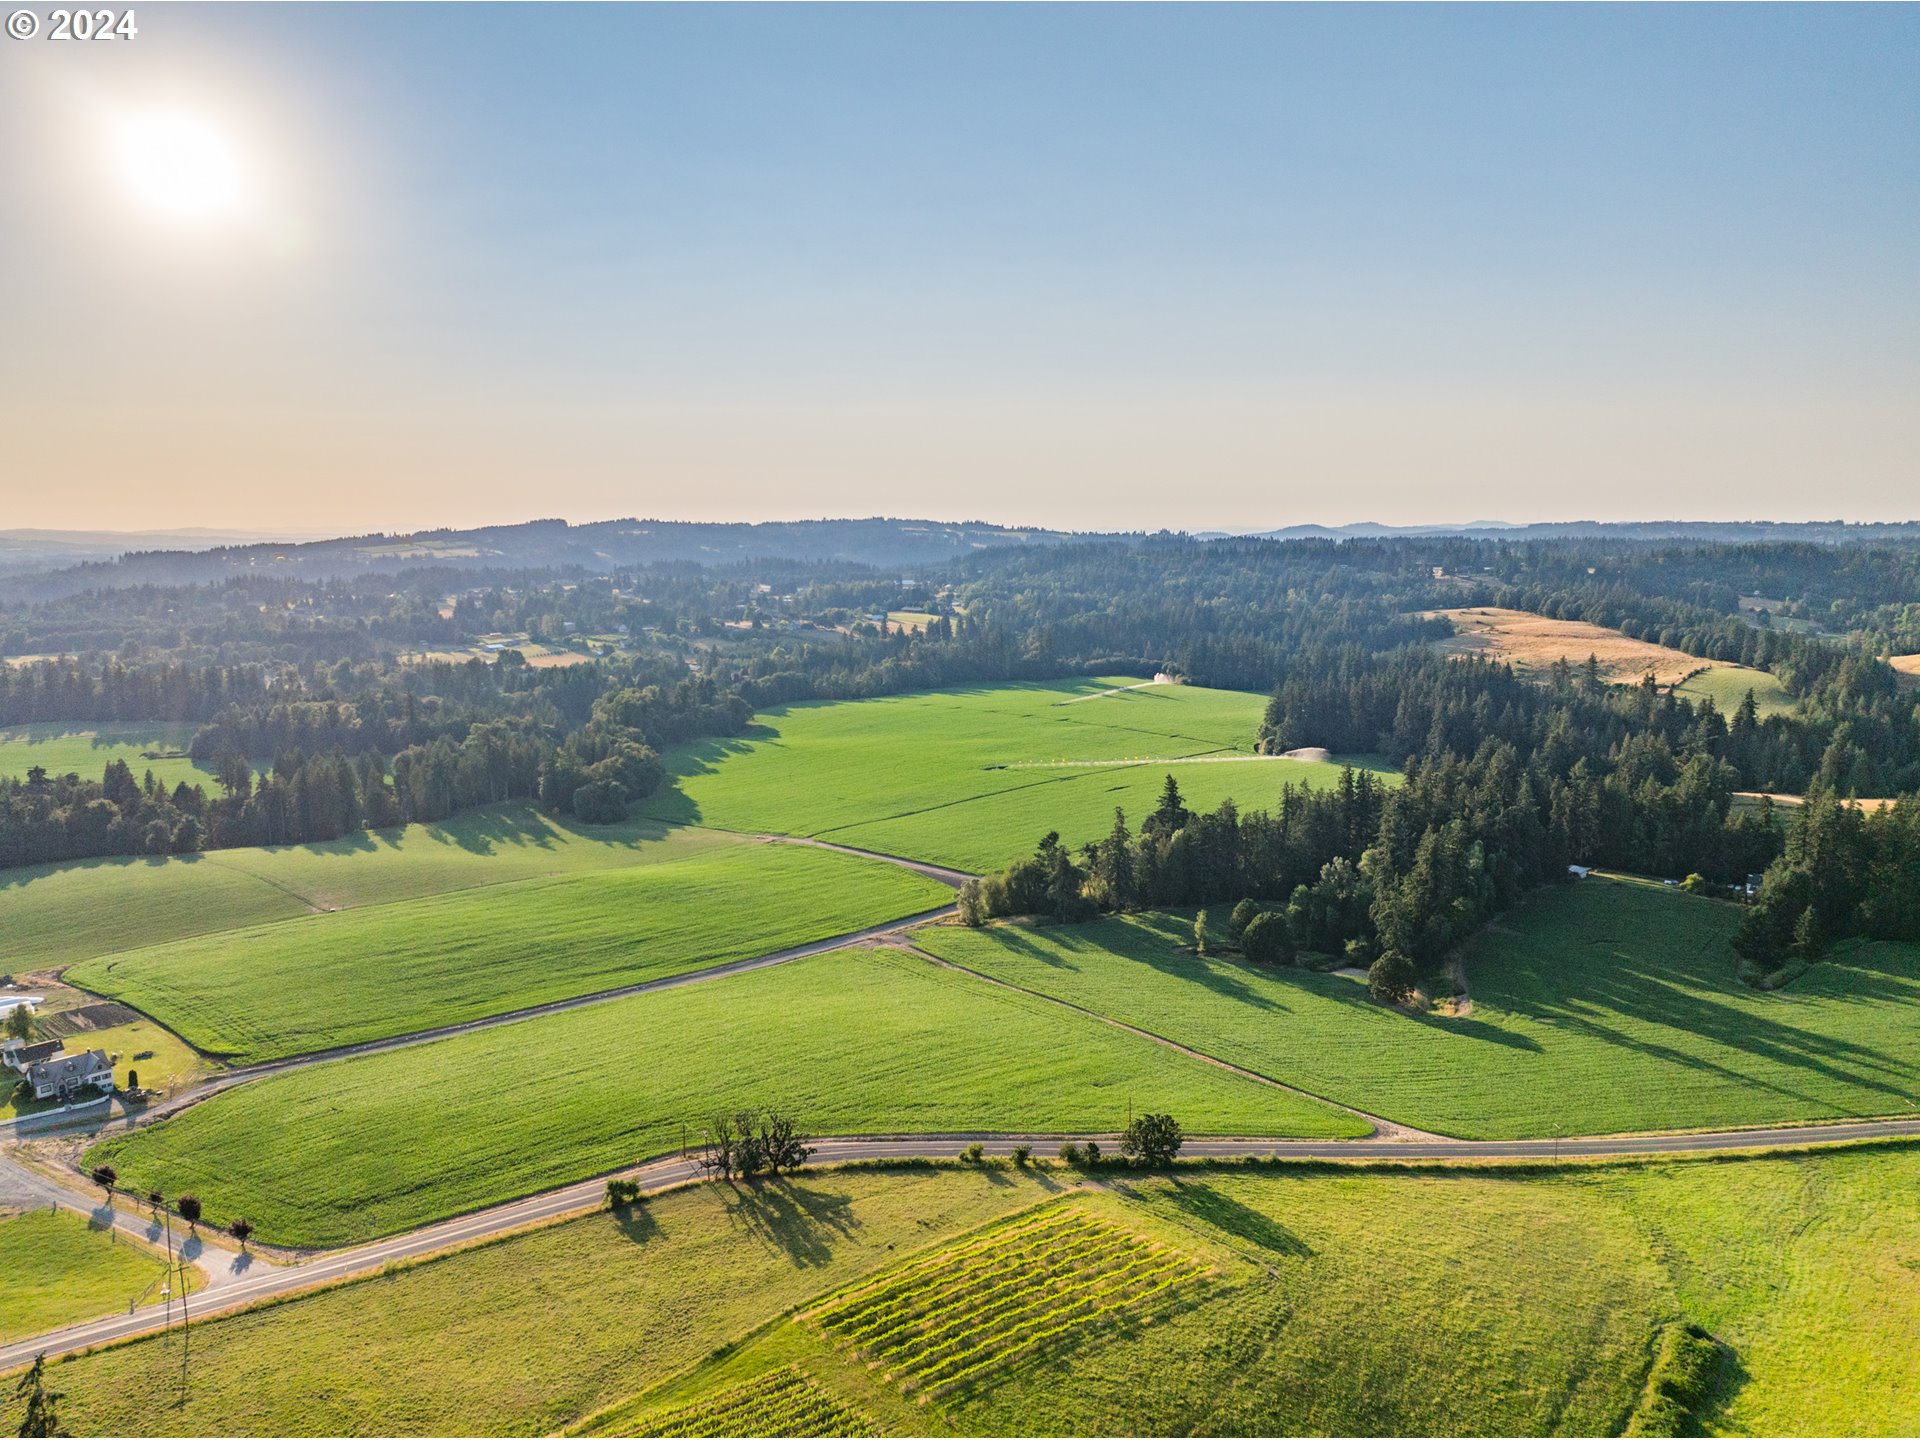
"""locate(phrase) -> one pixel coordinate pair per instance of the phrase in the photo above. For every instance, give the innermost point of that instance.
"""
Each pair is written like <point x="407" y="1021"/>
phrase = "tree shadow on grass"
<point x="1223" y="1212"/>
<point x="636" y="1223"/>
<point x="804" y="1221"/>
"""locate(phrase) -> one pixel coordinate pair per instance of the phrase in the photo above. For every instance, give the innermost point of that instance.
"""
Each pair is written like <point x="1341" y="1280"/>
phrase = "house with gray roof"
<point x="19" y="1055"/>
<point x="67" y="1077"/>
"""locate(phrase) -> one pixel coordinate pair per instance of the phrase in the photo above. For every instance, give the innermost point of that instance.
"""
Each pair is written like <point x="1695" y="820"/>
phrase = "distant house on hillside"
<point x="18" y="1054"/>
<point x="68" y="1076"/>
<point x="1752" y="887"/>
<point x="1579" y="872"/>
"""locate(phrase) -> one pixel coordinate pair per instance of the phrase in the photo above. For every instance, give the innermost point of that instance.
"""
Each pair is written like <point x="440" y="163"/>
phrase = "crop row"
<point x="994" y="1247"/>
<point x="781" y="1402"/>
<point x="939" y="1321"/>
<point x="987" y="1291"/>
<point x="976" y="1284"/>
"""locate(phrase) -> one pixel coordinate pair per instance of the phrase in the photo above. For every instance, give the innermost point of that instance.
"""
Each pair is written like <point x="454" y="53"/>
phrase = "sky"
<point x="354" y="268"/>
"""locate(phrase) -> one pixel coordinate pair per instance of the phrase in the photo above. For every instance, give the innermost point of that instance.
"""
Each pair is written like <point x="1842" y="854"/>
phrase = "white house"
<point x="66" y="1077"/>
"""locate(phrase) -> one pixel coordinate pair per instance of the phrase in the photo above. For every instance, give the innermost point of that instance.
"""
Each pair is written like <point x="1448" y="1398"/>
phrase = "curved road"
<point x="250" y="1279"/>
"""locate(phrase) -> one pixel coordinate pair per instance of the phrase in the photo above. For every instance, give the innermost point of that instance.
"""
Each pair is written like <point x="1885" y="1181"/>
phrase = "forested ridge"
<point x="316" y="714"/>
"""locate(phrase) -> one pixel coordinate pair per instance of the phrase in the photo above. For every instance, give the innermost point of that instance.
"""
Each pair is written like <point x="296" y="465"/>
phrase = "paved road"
<point x="263" y="1281"/>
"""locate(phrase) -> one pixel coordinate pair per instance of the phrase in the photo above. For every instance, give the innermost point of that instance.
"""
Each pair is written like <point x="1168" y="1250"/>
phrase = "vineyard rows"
<point x="942" y="1321"/>
<point x="781" y="1402"/>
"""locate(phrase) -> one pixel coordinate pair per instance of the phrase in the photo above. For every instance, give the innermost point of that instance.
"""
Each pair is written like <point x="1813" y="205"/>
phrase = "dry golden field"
<point x="1909" y="668"/>
<point x="1531" y="643"/>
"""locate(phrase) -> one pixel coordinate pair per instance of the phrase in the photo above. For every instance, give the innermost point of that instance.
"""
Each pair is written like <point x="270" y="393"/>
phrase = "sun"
<point x="180" y="167"/>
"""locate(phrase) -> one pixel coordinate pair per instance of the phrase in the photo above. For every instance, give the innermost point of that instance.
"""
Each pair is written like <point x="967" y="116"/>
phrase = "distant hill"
<point x="537" y="544"/>
<point x="1817" y="532"/>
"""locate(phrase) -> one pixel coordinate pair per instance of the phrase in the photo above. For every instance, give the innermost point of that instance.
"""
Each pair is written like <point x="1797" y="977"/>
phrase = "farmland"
<point x="58" y="1270"/>
<point x="326" y="980"/>
<point x="1454" y="1302"/>
<point x="87" y="749"/>
<point x="1908" y="669"/>
<point x="1604" y="1006"/>
<point x="1532" y="643"/>
<point x="862" y="1041"/>
<point x="974" y="777"/>
<point x="62" y="914"/>
<point x="136" y="1043"/>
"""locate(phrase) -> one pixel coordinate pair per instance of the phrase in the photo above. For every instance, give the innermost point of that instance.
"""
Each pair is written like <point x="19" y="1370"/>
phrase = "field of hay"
<point x="1532" y="643"/>
<point x="1908" y="667"/>
<point x="973" y="777"/>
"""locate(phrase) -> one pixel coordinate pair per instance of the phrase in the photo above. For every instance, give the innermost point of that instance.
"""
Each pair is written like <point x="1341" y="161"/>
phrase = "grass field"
<point x="1438" y="1304"/>
<point x="1340" y="1302"/>
<point x="1727" y="686"/>
<point x="525" y="1335"/>
<point x="1604" y="1006"/>
<point x="86" y="748"/>
<point x="324" y="980"/>
<point x="1532" y="643"/>
<point x="974" y="777"/>
<point x="62" y="914"/>
<point x="1908" y="668"/>
<point x="850" y="1042"/>
<point x="56" y="1269"/>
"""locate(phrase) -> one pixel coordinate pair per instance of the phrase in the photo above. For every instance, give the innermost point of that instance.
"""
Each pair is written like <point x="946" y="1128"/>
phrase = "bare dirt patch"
<point x="1532" y="643"/>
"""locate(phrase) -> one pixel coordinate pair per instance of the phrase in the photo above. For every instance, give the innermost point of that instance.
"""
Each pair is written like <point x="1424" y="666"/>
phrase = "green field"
<point x="1604" y="1006"/>
<point x="1339" y="1302"/>
<point x="1727" y="687"/>
<point x="1435" y="1304"/>
<point x="850" y="1042"/>
<point x="61" y="914"/>
<point x="699" y="899"/>
<point x="56" y="1269"/>
<point x="86" y="748"/>
<point x="973" y="778"/>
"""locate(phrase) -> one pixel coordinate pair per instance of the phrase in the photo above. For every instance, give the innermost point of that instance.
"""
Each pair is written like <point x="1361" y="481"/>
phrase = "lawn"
<point x="1727" y="687"/>
<point x="57" y="1270"/>
<point x="1604" y="1006"/>
<point x="974" y="777"/>
<point x="334" y="979"/>
<point x="850" y="1042"/>
<point x="86" y="748"/>
<point x="60" y="914"/>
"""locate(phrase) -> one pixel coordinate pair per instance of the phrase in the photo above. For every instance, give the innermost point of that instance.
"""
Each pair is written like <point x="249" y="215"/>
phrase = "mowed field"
<point x="58" y="1270"/>
<point x="850" y="1042"/>
<point x="1334" y="1301"/>
<point x="974" y="777"/>
<point x="1908" y="667"/>
<point x="697" y="900"/>
<point x="1728" y="686"/>
<point x="62" y="914"/>
<point x="1532" y="643"/>
<point x="1604" y="1006"/>
<point x="86" y="748"/>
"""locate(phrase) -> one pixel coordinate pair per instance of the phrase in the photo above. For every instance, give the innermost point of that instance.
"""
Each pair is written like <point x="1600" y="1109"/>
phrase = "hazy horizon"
<point x="1086" y="268"/>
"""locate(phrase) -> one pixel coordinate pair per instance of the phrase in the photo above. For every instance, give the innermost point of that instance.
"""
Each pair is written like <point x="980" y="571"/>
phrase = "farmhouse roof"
<point x="24" y="1055"/>
<point x="83" y="1066"/>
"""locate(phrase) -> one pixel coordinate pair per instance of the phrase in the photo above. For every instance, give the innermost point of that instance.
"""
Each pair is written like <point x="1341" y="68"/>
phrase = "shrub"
<point x="1392" y="978"/>
<point x="1093" y="1153"/>
<point x="621" y="1193"/>
<point x="1200" y="933"/>
<point x="1267" y="941"/>
<point x="973" y="1154"/>
<point x="1022" y="1154"/>
<point x="1072" y="1154"/>
<point x="1243" y="916"/>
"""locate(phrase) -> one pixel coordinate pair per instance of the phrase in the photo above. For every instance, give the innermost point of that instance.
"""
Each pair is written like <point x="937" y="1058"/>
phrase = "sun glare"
<point x="180" y="167"/>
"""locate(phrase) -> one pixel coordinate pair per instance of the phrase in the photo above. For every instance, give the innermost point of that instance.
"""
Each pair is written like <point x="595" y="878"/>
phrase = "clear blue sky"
<point x="1183" y="266"/>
